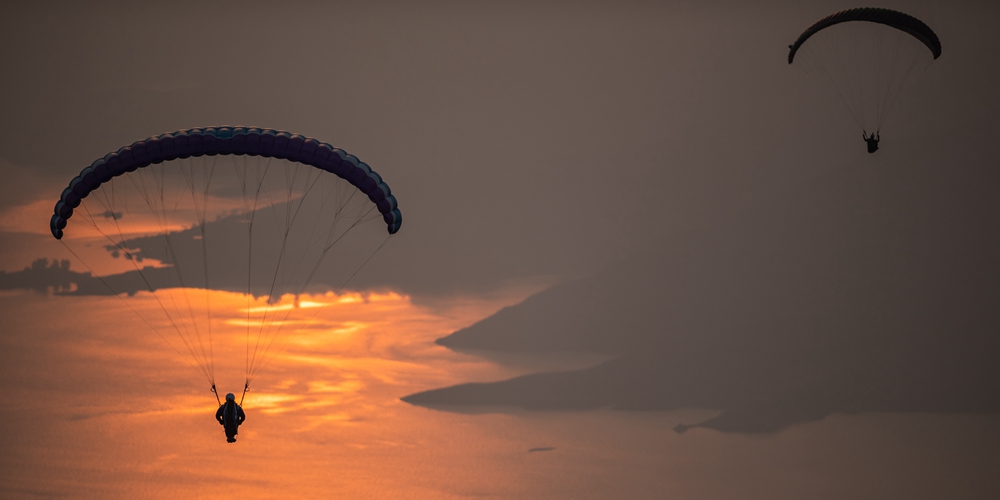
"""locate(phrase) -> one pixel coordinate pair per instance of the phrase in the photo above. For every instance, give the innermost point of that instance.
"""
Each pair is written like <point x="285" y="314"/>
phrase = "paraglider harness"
<point x="230" y="414"/>
<point x="872" y="141"/>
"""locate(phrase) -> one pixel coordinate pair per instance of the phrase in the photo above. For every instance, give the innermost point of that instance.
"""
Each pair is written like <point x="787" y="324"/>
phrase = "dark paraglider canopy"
<point x="211" y="141"/>
<point x="866" y="57"/>
<point x="891" y="18"/>
<point x="211" y="235"/>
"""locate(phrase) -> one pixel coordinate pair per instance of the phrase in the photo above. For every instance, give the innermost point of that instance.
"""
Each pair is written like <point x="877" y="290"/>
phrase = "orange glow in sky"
<point x="327" y="402"/>
<point x="97" y="406"/>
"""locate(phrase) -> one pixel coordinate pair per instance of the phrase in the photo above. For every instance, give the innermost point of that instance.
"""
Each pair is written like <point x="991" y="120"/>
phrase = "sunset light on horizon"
<point x="500" y="250"/>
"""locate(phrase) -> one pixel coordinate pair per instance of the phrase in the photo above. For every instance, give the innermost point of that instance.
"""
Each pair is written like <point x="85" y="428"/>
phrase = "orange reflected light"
<point x="328" y="401"/>
<point x="322" y="351"/>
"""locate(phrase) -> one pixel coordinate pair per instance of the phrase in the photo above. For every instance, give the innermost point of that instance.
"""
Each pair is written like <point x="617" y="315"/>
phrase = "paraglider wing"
<point x="892" y="18"/>
<point x="212" y="234"/>
<point x="212" y="141"/>
<point x="866" y="57"/>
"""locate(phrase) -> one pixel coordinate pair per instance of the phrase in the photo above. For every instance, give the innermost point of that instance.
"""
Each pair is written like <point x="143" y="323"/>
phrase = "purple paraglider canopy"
<point x="212" y="141"/>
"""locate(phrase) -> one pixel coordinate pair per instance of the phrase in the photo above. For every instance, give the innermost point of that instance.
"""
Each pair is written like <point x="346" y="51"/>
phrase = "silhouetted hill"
<point x="872" y="288"/>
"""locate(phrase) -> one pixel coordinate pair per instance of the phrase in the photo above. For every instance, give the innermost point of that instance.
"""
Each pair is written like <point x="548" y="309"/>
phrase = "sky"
<point x="675" y="220"/>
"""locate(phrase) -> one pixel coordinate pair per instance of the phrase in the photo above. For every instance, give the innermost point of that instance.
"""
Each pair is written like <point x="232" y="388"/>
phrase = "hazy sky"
<point x="536" y="138"/>
<point x="529" y="144"/>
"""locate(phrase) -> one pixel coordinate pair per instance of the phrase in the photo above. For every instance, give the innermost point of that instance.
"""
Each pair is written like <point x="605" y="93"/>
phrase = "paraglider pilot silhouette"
<point x="300" y="164"/>
<point x="872" y="141"/>
<point x="230" y="415"/>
